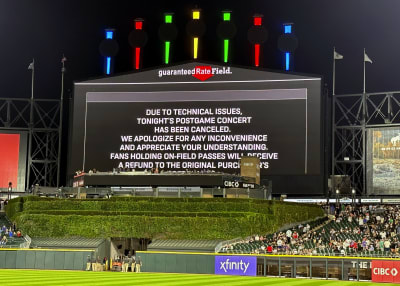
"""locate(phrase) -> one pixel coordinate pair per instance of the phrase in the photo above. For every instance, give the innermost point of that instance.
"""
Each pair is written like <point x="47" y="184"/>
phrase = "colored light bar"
<point x="108" y="65"/>
<point x="107" y="60"/>
<point x="137" y="58"/>
<point x="287" y="61"/>
<point x="109" y="34"/>
<point x="167" y="48"/>
<point x="288" y="28"/>
<point x="257" y="21"/>
<point x="196" y="15"/>
<point x="168" y="18"/>
<point x="138" y="25"/>
<point x="227" y="16"/>
<point x="257" y="55"/>
<point x="226" y="50"/>
<point x="195" y="47"/>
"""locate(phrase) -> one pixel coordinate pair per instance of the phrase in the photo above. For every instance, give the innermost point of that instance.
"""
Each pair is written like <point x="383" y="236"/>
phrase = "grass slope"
<point x="57" y="278"/>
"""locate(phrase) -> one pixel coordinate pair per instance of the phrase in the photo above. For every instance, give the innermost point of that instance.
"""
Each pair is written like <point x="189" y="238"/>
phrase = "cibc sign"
<point x="385" y="271"/>
<point x="236" y="265"/>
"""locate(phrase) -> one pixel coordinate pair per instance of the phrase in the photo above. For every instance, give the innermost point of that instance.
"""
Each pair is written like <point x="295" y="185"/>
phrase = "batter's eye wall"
<point x="209" y="115"/>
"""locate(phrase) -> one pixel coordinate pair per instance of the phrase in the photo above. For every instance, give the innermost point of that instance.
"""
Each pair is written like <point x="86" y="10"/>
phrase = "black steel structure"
<point x="352" y="116"/>
<point x="42" y="120"/>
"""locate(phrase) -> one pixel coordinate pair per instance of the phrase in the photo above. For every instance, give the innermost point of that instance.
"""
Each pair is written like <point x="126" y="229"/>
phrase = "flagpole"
<point x="60" y="128"/>
<point x="364" y="123"/>
<point x="364" y="72"/>
<point x="333" y="123"/>
<point x="31" y="124"/>
<point x="334" y="71"/>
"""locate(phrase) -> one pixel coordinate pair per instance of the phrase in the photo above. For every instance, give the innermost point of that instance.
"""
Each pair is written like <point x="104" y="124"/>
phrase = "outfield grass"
<point x="55" y="278"/>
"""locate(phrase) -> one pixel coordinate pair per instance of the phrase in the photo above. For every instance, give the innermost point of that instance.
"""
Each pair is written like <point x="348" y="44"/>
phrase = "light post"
<point x="337" y="198"/>
<point x="353" y="196"/>
<point x="9" y="190"/>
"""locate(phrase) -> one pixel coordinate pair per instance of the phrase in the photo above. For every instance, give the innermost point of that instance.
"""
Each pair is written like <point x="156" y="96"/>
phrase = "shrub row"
<point x="43" y="225"/>
<point x="179" y="218"/>
<point x="145" y="213"/>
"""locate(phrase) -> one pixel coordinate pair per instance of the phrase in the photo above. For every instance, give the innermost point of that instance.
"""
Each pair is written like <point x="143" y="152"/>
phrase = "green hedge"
<point x="144" y="213"/>
<point x="174" y="218"/>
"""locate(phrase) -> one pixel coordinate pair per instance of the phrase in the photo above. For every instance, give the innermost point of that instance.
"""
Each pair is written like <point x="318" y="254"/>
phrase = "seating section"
<point x="362" y="231"/>
<point x="11" y="242"/>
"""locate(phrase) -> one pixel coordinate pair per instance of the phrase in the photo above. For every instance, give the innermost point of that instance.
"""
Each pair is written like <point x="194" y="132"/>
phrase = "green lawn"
<point x="54" y="278"/>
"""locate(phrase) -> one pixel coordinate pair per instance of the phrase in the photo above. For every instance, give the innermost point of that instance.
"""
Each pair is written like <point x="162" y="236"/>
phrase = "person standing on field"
<point x="138" y="264"/>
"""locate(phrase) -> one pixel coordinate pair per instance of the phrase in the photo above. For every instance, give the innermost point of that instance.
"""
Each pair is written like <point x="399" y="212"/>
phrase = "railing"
<point x="27" y="242"/>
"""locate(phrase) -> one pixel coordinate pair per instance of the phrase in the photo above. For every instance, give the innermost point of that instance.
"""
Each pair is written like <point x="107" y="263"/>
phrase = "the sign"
<point x="362" y="264"/>
<point x="344" y="201"/>
<point x="391" y="201"/>
<point x="306" y="200"/>
<point x="236" y="265"/>
<point x="200" y="72"/>
<point x="370" y="201"/>
<point x="385" y="271"/>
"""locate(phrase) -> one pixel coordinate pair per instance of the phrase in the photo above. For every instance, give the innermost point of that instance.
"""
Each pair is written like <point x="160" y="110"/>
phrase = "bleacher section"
<point x="74" y="243"/>
<point x="12" y="242"/>
<point x="183" y="245"/>
<point x="252" y="246"/>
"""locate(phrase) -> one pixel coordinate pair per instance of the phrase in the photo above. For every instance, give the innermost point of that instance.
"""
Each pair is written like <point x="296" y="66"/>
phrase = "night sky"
<point x="44" y="30"/>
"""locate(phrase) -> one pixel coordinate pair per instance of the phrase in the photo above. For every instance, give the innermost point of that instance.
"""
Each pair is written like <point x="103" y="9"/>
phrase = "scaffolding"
<point x="352" y="116"/>
<point x="42" y="119"/>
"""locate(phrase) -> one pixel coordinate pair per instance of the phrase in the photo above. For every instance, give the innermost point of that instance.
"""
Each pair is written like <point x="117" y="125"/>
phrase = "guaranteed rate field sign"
<point x="236" y="265"/>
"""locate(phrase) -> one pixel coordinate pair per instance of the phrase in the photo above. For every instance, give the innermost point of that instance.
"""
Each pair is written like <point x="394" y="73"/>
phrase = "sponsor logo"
<point x="231" y="184"/>
<point x="236" y="184"/>
<point x="200" y="72"/>
<point x="385" y="271"/>
<point x="236" y="265"/>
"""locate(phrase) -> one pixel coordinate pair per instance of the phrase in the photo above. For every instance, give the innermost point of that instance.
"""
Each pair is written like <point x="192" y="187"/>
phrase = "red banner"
<point x="9" y="157"/>
<point x="385" y="271"/>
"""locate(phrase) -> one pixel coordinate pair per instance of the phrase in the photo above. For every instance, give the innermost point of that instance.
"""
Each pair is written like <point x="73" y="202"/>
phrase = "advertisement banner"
<point x="385" y="271"/>
<point x="236" y="265"/>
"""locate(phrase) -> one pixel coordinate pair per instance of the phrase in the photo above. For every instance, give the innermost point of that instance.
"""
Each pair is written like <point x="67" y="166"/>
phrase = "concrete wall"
<point x="177" y="263"/>
<point x="43" y="259"/>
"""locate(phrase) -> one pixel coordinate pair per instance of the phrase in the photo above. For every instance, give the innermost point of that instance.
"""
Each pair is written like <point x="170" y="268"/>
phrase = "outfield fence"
<point x="290" y="266"/>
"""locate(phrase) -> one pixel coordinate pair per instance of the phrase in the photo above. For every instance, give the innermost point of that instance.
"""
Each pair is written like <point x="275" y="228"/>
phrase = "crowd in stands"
<point x="9" y="234"/>
<point x="364" y="230"/>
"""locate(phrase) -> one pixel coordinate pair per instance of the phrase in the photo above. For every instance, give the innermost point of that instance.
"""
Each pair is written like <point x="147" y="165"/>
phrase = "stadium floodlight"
<point x="337" y="191"/>
<point x="353" y="191"/>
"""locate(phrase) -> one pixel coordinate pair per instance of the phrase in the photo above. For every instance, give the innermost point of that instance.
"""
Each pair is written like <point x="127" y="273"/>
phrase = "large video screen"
<point x="384" y="160"/>
<point x="9" y="154"/>
<point x="13" y="151"/>
<point x="197" y="130"/>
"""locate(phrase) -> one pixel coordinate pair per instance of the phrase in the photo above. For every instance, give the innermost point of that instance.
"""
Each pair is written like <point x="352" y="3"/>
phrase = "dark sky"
<point x="45" y="29"/>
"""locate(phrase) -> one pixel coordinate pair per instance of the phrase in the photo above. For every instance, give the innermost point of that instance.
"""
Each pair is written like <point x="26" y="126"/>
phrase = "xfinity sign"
<point x="236" y="265"/>
<point x="200" y="72"/>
